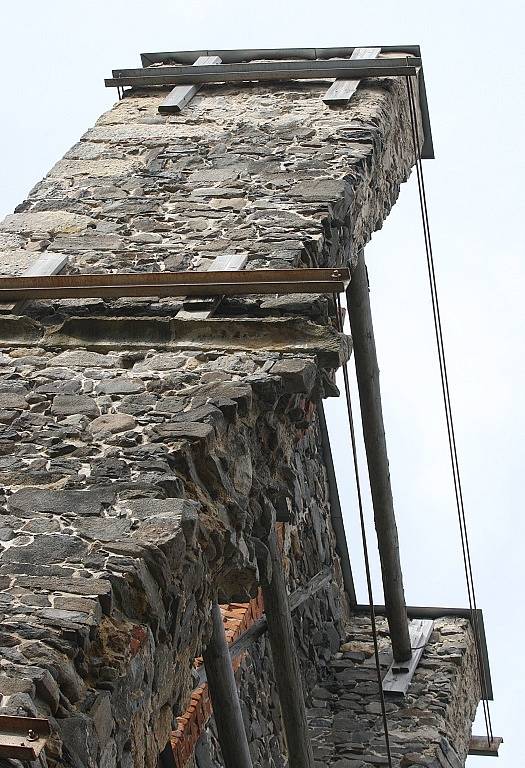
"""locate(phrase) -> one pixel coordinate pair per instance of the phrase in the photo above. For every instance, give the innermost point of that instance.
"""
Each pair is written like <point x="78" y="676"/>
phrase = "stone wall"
<point x="144" y="455"/>
<point x="130" y="492"/>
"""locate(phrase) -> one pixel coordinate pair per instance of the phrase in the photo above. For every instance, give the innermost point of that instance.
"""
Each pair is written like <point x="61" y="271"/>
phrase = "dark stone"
<point x="119" y="386"/>
<point x="54" y="548"/>
<point x="171" y="404"/>
<point x="29" y="501"/>
<point x="80" y="742"/>
<point x="12" y="401"/>
<point x="142" y="509"/>
<point x="186" y="431"/>
<point x="137" y="405"/>
<point x="298" y="374"/>
<point x="71" y="405"/>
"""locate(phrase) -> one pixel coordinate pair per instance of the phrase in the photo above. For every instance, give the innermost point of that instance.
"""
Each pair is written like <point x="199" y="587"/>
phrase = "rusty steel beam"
<point x="23" y="738"/>
<point x="244" y="283"/>
<point x="267" y="71"/>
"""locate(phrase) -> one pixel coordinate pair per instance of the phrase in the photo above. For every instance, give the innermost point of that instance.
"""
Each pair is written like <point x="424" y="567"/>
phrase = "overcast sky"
<point x="55" y="56"/>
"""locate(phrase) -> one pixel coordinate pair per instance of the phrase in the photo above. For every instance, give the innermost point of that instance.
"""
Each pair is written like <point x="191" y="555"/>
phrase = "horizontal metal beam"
<point x="280" y="70"/>
<point x="432" y="612"/>
<point x="238" y="55"/>
<point x="480" y="746"/>
<point x="244" y="283"/>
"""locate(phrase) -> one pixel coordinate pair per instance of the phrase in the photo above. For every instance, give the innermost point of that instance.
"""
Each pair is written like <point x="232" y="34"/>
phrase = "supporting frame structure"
<point x="367" y="371"/>
<point x="264" y="71"/>
<point x="183" y="94"/>
<point x="225" y="697"/>
<point x="214" y="283"/>
<point x="480" y="746"/>
<point x="23" y="738"/>
<point x="286" y="665"/>
<point x="341" y="91"/>
<point x="399" y="676"/>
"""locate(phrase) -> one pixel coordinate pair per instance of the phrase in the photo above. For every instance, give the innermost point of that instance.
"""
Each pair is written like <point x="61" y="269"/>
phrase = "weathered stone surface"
<point x="72" y="405"/>
<point x="298" y="374"/>
<point x="45" y="221"/>
<point x="112" y="422"/>
<point x="47" y="549"/>
<point x="12" y="401"/>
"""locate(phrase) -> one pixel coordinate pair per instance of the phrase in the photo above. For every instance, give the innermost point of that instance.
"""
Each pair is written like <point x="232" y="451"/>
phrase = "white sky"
<point x="55" y="56"/>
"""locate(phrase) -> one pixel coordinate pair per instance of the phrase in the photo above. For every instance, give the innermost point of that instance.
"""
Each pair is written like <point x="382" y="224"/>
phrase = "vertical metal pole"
<point x="286" y="666"/>
<point x="225" y="697"/>
<point x="367" y="371"/>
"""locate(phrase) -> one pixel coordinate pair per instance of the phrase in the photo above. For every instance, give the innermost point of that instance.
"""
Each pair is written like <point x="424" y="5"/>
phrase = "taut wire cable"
<point x="339" y="321"/>
<point x="458" y="492"/>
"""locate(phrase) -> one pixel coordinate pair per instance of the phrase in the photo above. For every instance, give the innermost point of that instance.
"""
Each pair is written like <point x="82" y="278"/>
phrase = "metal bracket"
<point x="482" y="747"/>
<point x="23" y="738"/>
<point x="399" y="675"/>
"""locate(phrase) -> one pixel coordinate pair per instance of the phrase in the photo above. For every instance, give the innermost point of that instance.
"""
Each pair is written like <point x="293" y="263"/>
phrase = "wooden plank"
<point x="46" y="264"/>
<point x="399" y="676"/>
<point x="225" y="697"/>
<point x="225" y="262"/>
<point x="268" y="71"/>
<point x="341" y="91"/>
<point x="480" y="746"/>
<point x="367" y="371"/>
<point x="286" y="665"/>
<point x="183" y="94"/>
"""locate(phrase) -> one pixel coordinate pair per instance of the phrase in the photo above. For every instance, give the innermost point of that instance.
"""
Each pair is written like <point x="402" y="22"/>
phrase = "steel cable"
<point x="373" y="622"/>
<point x="458" y="492"/>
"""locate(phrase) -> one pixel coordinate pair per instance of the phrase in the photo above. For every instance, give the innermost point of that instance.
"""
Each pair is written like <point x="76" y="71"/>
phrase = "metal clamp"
<point x="23" y="738"/>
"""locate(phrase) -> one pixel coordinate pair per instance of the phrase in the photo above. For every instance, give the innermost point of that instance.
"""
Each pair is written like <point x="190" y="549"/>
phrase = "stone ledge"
<point x="281" y="335"/>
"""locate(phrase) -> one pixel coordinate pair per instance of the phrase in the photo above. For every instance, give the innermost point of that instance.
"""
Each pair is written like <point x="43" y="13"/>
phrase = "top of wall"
<point x="239" y="55"/>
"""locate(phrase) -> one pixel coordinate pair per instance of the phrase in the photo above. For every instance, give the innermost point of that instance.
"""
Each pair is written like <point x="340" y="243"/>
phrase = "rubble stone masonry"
<point x="143" y="455"/>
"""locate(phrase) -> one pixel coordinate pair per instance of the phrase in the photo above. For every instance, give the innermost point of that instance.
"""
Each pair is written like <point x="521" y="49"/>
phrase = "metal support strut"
<point x="286" y="665"/>
<point x="225" y="697"/>
<point x="367" y="371"/>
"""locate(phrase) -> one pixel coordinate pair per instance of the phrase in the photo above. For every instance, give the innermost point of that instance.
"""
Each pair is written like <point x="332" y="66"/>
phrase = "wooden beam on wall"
<point x="45" y="264"/>
<point x="183" y="94"/>
<point x="399" y="676"/>
<point x="205" y="308"/>
<point x="342" y="90"/>
<point x="227" y="283"/>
